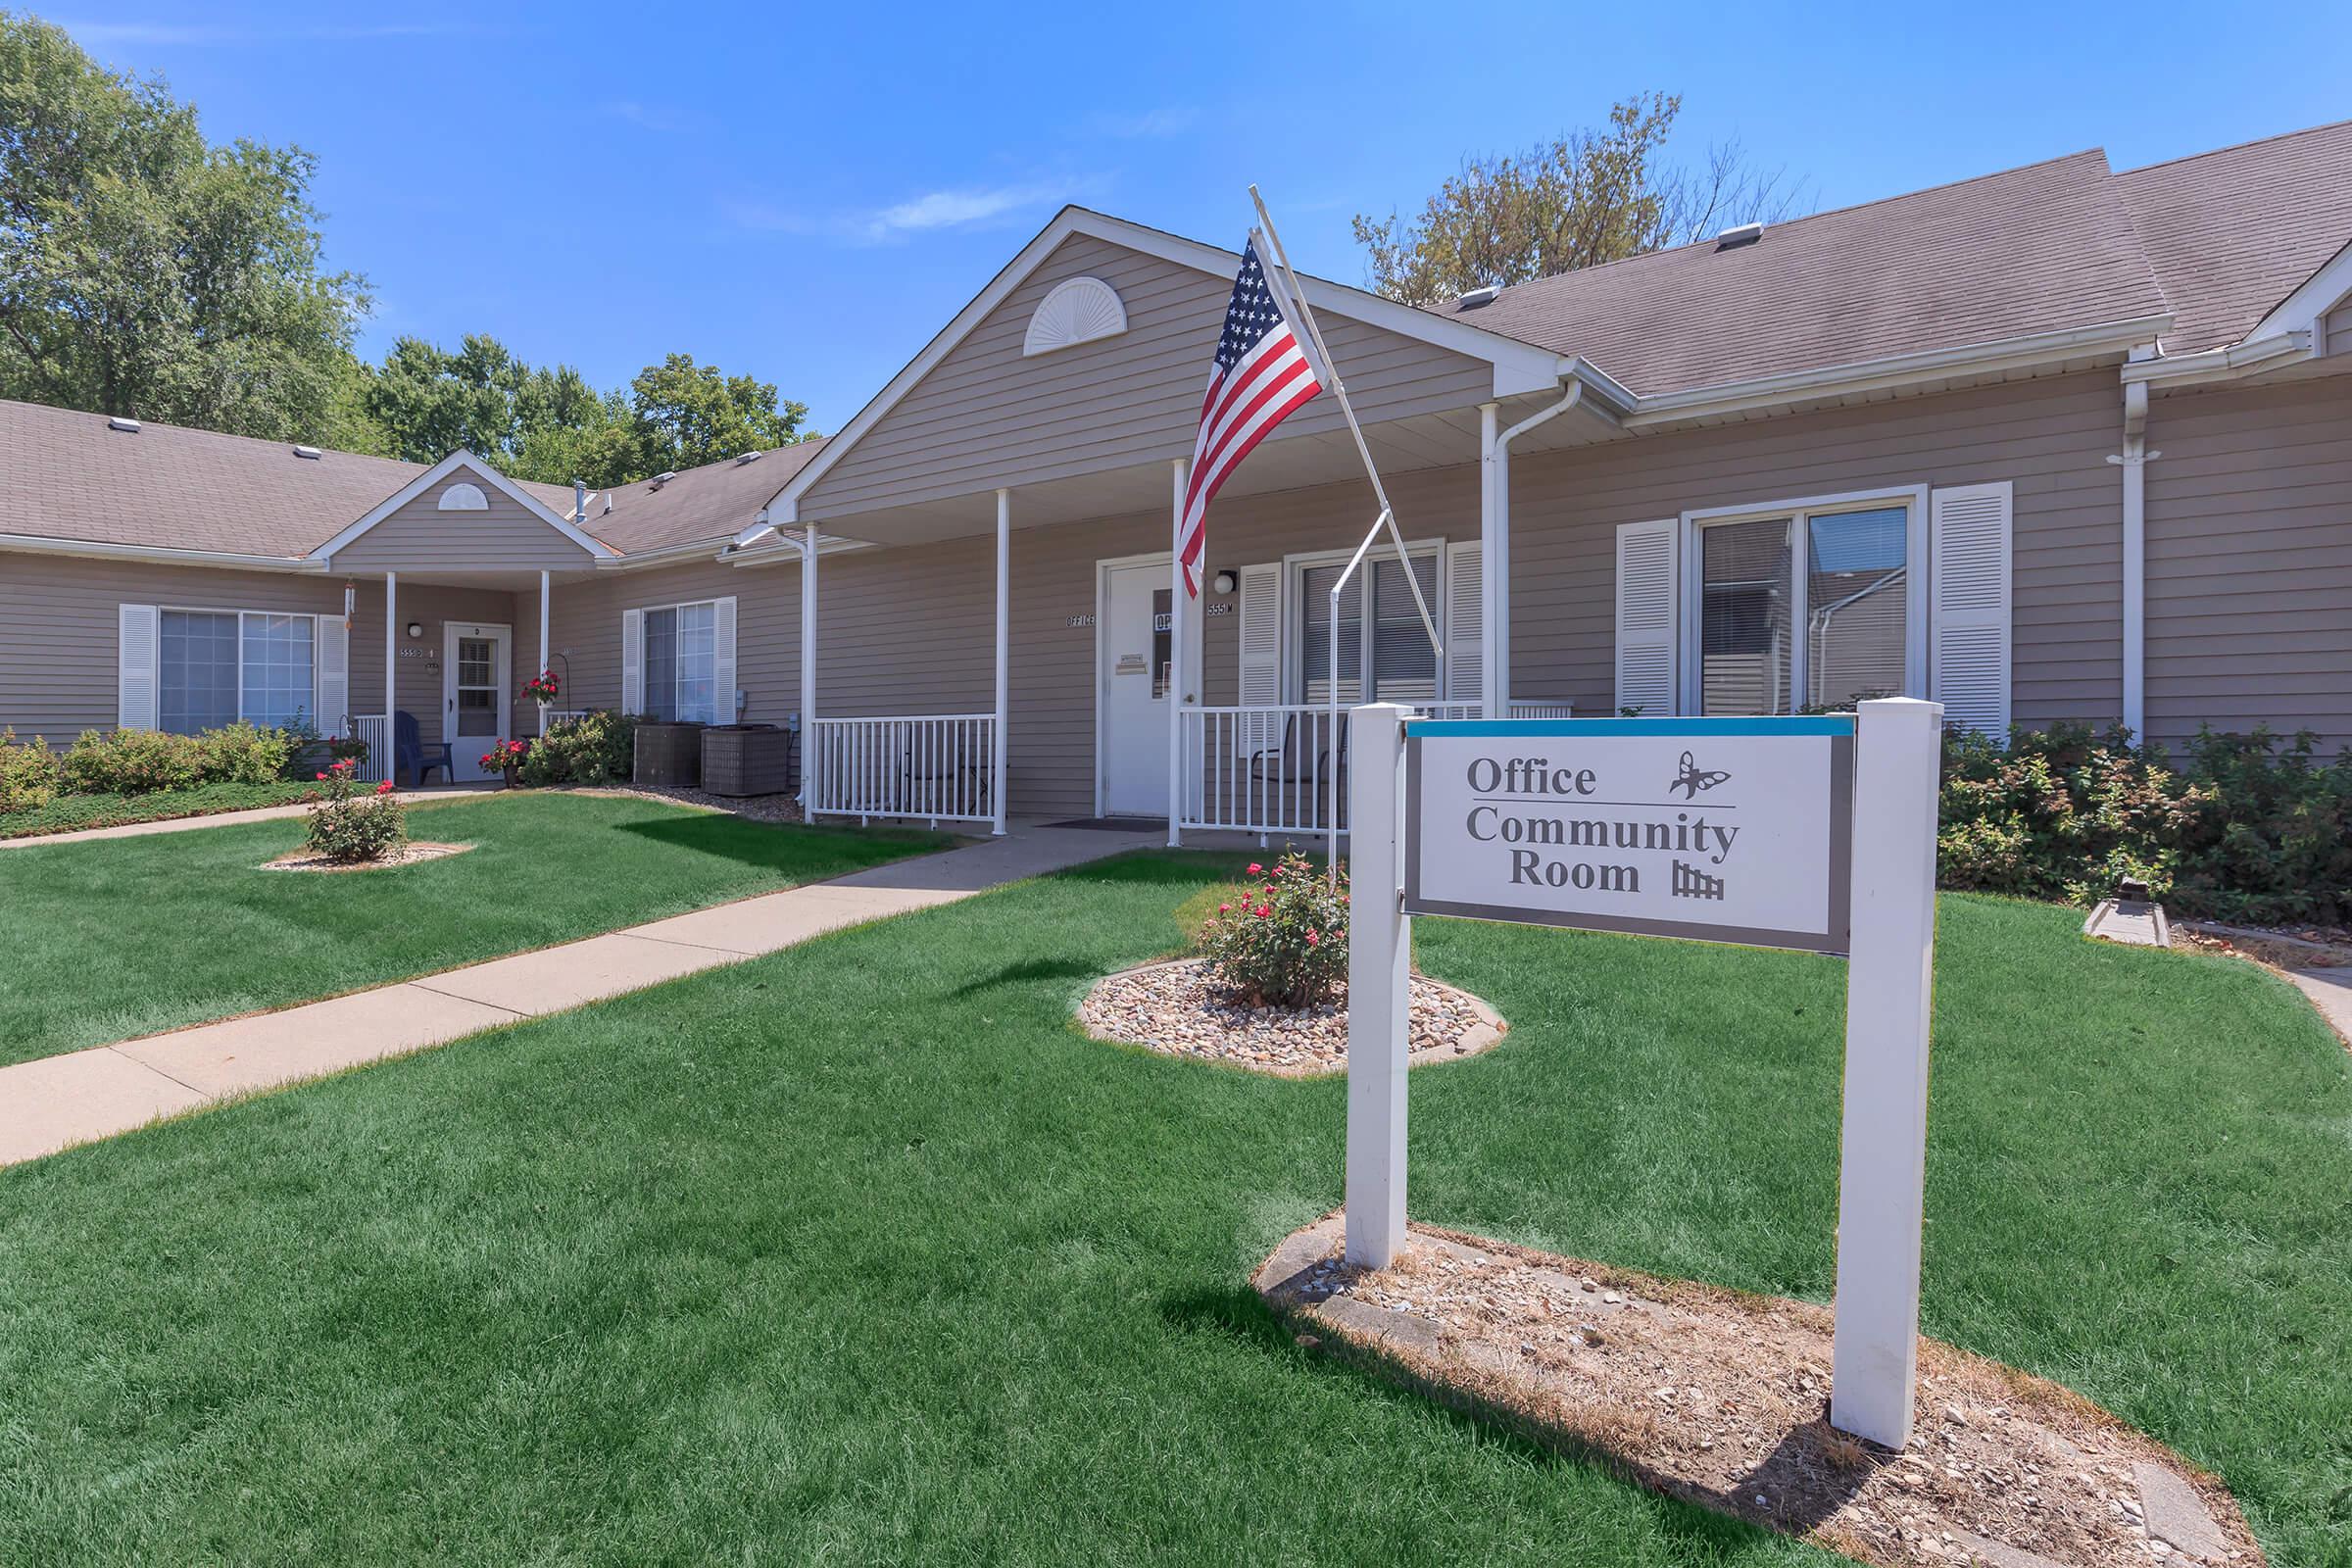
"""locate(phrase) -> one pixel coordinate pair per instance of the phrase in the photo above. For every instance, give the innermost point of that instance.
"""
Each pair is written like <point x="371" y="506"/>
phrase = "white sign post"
<point x="1815" y="833"/>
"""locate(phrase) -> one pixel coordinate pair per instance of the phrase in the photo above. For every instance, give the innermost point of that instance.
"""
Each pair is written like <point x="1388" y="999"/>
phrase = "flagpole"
<point x="1339" y="389"/>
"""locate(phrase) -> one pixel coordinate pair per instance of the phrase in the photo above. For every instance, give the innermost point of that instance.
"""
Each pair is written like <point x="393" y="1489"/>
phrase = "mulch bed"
<point x="2278" y="947"/>
<point x="406" y="855"/>
<point x="1181" y="1009"/>
<point x="1721" y="1398"/>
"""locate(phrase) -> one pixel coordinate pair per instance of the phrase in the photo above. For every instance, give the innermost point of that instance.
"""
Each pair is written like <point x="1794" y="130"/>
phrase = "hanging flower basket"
<point x="542" y="687"/>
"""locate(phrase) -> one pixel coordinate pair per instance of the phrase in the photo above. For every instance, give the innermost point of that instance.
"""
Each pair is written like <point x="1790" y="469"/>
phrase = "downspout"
<point x="1495" y="557"/>
<point x="2134" y="461"/>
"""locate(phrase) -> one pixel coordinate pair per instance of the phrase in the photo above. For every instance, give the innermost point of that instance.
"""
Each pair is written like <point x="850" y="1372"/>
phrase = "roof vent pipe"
<point x="579" y="501"/>
<point x="1731" y="239"/>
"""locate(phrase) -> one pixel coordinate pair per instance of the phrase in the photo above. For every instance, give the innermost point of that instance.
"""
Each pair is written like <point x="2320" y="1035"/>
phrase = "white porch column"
<point x="807" y="666"/>
<point x="1004" y="654"/>
<point x="1179" y="470"/>
<point x="543" y="604"/>
<point x="392" y="668"/>
<point x="1494" y="567"/>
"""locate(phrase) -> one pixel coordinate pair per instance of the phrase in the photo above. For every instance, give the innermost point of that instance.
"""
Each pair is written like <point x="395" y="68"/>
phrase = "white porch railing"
<point x="1269" y="769"/>
<point x="557" y="715"/>
<point x="940" y="767"/>
<point x="376" y="735"/>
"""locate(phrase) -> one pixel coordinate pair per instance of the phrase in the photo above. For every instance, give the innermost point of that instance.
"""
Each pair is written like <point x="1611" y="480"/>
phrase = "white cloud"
<point x="655" y="117"/>
<point x="1151" y="124"/>
<point x="966" y="207"/>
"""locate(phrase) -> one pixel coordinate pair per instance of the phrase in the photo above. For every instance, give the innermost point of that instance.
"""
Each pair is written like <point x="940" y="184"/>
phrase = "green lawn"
<point x="114" y="938"/>
<point x="70" y="814"/>
<point x="860" y="1253"/>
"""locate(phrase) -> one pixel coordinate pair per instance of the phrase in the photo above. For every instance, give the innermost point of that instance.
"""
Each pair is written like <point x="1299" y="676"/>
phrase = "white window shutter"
<point x="722" y="660"/>
<point x="1648" y="615"/>
<point x="1465" y="623"/>
<point x="330" y="708"/>
<point x="1967" y="600"/>
<point x="632" y="660"/>
<point x="1258" y="683"/>
<point x="138" y="636"/>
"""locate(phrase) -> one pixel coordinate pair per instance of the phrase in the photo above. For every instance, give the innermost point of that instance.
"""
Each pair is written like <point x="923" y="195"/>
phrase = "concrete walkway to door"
<point x="58" y="1102"/>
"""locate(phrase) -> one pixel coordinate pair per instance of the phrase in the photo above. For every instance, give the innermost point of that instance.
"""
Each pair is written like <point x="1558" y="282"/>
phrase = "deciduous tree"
<point x="1584" y="198"/>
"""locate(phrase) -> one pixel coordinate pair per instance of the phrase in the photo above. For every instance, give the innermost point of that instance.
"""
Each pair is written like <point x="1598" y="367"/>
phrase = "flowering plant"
<point x="504" y="755"/>
<point x="1281" y="939"/>
<point x="351" y="823"/>
<point x="542" y="687"/>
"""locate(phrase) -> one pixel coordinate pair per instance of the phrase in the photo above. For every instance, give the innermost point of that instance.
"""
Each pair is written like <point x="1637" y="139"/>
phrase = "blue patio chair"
<point x="408" y="751"/>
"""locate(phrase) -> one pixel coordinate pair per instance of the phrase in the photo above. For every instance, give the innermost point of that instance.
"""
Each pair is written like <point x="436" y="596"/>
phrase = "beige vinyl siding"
<point x="2249" y="527"/>
<point x="987" y="416"/>
<point x="59" y="624"/>
<point x="584" y="633"/>
<point x="421" y="536"/>
<point x="909" y="630"/>
<point x="2339" y="330"/>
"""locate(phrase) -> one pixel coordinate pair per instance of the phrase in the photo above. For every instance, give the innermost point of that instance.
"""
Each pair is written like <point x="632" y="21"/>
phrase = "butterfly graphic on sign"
<point x="1693" y="779"/>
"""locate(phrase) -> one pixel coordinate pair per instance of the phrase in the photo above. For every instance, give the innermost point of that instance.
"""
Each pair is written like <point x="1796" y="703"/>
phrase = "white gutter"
<point x="160" y="555"/>
<point x="2134" y="461"/>
<point x="1495" y="550"/>
<point x="1893" y="373"/>
<point x="2273" y="352"/>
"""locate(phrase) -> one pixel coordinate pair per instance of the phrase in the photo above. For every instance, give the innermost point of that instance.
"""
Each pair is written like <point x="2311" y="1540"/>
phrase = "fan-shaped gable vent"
<point x="1076" y="309"/>
<point x="465" y="498"/>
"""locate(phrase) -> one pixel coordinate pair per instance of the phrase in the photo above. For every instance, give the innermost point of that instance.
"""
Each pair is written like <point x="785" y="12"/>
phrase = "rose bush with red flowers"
<point x="1281" y="941"/>
<point x="354" y="824"/>
<point x="504" y="755"/>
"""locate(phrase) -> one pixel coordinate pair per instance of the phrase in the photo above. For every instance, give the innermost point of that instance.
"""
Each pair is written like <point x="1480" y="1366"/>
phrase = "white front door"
<point x="1134" y="647"/>
<point x="477" y="689"/>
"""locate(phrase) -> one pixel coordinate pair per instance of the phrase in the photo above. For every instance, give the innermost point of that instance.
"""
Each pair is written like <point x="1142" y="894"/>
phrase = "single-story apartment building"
<point x="2060" y="443"/>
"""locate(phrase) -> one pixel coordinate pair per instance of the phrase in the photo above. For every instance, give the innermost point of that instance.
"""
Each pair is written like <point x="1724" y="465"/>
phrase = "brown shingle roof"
<point x="2029" y="249"/>
<point x="2233" y="233"/>
<point x="713" y="502"/>
<point x="65" y="474"/>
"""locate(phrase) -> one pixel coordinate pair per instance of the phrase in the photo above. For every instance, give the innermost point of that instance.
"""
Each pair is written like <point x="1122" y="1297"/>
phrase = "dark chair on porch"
<point x="1285" y="769"/>
<point x="946" y="776"/>
<point x="408" y="751"/>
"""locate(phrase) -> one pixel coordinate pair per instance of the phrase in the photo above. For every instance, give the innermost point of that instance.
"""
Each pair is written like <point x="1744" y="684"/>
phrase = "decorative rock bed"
<point x="1721" y="1398"/>
<point x="405" y="854"/>
<point x="1180" y="1009"/>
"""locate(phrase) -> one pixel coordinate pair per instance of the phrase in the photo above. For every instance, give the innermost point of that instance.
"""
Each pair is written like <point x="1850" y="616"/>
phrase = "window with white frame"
<point x="1805" y="606"/>
<point x="216" y="666"/>
<point x="681" y="662"/>
<point x="1399" y="665"/>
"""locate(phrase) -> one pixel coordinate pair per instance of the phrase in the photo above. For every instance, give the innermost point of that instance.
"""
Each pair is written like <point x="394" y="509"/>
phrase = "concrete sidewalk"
<point x="58" y="1102"/>
<point x="2329" y="991"/>
<point x="259" y="813"/>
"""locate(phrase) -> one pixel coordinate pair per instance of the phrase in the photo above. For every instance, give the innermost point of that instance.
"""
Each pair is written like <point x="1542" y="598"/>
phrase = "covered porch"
<point x="1219" y="714"/>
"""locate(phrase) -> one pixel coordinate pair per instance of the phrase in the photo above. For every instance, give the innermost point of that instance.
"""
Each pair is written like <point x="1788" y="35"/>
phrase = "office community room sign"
<point x="1725" y="830"/>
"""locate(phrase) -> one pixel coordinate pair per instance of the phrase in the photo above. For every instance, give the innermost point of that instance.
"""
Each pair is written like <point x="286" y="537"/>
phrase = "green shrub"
<point x="70" y="814"/>
<point x="356" y="822"/>
<point x="1280" y="940"/>
<point x="2236" y="830"/>
<point x="28" y="773"/>
<point x="133" y="761"/>
<point x="245" y="753"/>
<point x="2271" y="842"/>
<point x="596" y="747"/>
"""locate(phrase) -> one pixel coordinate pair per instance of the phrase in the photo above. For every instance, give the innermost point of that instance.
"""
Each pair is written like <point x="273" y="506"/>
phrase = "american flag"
<point x="1262" y="375"/>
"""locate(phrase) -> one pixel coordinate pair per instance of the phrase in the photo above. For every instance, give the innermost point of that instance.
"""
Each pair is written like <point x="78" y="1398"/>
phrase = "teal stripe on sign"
<point x="1665" y="729"/>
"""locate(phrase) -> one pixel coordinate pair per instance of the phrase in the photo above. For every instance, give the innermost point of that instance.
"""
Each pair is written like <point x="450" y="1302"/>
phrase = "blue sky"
<point x="808" y="195"/>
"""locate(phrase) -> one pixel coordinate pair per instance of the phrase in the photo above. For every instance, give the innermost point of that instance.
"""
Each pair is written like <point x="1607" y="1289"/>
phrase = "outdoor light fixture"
<point x="1224" y="582"/>
<point x="416" y="629"/>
